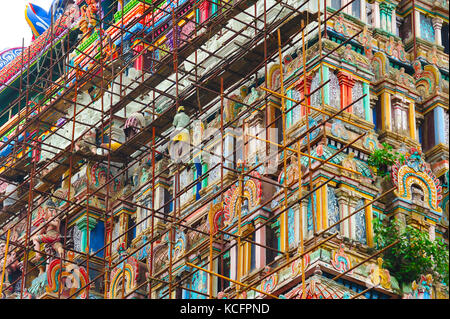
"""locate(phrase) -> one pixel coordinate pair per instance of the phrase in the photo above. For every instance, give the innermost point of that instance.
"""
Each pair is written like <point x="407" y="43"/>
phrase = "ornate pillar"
<point x="386" y="111"/>
<point x="306" y="234"/>
<point x="439" y="125"/>
<point x="352" y="220"/>
<point x="318" y="210"/>
<point x="82" y="225"/>
<point x="417" y="23"/>
<point x="260" y="237"/>
<point x="346" y="84"/>
<point x="393" y="22"/>
<point x="397" y="105"/>
<point x="383" y="21"/>
<point x="376" y="14"/>
<point x="300" y="87"/>
<point x="233" y="261"/>
<point x="369" y="226"/>
<point x="345" y="225"/>
<point x="324" y="197"/>
<point x="343" y="201"/>
<point x="437" y="25"/>
<point x="363" y="11"/>
<point x="412" y="120"/>
<point x="366" y="102"/>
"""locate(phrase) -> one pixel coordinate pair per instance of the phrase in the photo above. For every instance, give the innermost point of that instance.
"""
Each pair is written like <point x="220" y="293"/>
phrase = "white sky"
<point x="13" y="26"/>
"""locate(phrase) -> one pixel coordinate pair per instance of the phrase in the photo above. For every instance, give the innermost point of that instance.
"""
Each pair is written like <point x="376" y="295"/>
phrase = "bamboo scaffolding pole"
<point x="5" y="256"/>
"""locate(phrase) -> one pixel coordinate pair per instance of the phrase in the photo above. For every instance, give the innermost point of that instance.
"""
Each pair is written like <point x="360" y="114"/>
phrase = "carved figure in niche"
<point x="433" y="57"/>
<point x="347" y="54"/>
<point x="83" y="25"/>
<point x="400" y="51"/>
<point x="390" y="46"/>
<point x="72" y="14"/>
<point x="233" y="107"/>
<point x="49" y="233"/>
<point x="366" y="40"/>
<point x="339" y="25"/>
<point x="134" y="124"/>
<point x="338" y="130"/>
<point x="402" y="78"/>
<point x="253" y="96"/>
<point x="417" y="66"/>
<point x="422" y="289"/>
<point x="380" y="276"/>
<point x="349" y="162"/>
<point x="91" y="13"/>
<point x="87" y="143"/>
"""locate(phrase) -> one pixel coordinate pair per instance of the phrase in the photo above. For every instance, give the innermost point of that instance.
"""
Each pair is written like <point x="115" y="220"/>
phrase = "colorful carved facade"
<point x="177" y="148"/>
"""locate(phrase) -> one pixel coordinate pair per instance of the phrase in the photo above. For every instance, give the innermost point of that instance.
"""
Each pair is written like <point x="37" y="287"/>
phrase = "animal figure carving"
<point x="380" y="276"/>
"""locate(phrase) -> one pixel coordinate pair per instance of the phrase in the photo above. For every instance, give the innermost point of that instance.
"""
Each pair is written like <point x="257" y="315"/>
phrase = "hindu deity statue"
<point x="49" y="233"/>
<point x="349" y="163"/>
<point x="91" y="13"/>
<point x="88" y="20"/>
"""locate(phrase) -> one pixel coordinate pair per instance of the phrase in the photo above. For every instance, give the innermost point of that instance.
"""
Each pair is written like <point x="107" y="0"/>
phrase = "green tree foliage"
<point x="384" y="158"/>
<point x="414" y="255"/>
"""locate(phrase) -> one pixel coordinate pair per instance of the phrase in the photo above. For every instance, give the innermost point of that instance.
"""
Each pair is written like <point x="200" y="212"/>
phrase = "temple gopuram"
<point x="226" y="149"/>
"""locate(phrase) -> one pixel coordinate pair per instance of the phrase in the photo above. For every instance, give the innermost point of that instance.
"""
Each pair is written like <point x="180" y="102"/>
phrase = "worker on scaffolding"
<point x="180" y="141"/>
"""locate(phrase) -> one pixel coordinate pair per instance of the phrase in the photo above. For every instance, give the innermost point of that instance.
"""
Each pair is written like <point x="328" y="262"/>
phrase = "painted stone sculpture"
<point x="422" y="289"/>
<point x="180" y="136"/>
<point x="49" y="233"/>
<point x="380" y="276"/>
<point x="341" y="261"/>
<point x="67" y="278"/>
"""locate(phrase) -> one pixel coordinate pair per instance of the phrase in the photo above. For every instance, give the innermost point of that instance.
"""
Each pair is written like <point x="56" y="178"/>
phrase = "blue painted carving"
<point x="358" y="107"/>
<point x="335" y="90"/>
<point x="39" y="19"/>
<point x="8" y="55"/>
<point x="426" y="28"/>
<point x="333" y="209"/>
<point x="313" y="134"/>
<point x="291" y="227"/>
<point x="309" y="215"/>
<point x="199" y="283"/>
<point x="338" y="130"/>
<point x="360" y="226"/>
